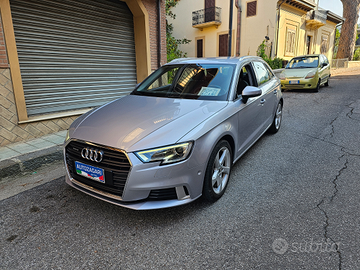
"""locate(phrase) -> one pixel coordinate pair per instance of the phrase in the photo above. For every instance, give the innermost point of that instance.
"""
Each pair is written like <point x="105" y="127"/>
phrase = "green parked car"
<point x="306" y="72"/>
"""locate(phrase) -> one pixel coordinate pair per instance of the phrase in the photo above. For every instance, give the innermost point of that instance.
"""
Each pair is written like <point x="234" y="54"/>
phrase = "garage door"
<point x="73" y="54"/>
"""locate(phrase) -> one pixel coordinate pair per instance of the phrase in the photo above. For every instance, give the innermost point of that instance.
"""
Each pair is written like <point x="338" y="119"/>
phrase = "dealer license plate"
<point x="91" y="172"/>
<point x="294" y="82"/>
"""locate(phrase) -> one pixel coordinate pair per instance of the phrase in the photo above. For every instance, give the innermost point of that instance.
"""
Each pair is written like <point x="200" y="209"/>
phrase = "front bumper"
<point x="299" y="83"/>
<point x="148" y="185"/>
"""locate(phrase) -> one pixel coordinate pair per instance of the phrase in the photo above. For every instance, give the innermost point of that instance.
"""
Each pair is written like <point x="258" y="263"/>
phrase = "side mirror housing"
<point x="249" y="92"/>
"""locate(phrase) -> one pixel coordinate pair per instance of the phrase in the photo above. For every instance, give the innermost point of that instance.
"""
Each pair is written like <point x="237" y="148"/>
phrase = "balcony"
<point x="316" y="18"/>
<point x="206" y="17"/>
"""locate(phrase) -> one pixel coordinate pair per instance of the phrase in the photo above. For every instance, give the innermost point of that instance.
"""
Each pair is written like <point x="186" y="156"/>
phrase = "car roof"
<point x="307" y="55"/>
<point x="213" y="60"/>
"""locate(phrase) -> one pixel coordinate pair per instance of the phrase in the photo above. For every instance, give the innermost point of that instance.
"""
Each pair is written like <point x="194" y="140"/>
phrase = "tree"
<point x="172" y="44"/>
<point x="348" y="35"/>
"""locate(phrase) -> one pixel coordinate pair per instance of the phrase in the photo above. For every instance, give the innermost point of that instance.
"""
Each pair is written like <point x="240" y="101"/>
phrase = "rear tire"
<point x="327" y="82"/>
<point x="217" y="172"/>
<point x="275" y="126"/>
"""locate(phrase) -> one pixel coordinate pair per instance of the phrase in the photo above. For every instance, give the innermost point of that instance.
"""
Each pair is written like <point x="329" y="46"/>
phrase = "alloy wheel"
<point x="221" y="170"/>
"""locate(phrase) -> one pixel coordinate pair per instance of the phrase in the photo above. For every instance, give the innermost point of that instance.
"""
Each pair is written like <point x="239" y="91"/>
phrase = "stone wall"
<point x="10" y="130"/>
<point x="151" y="8"/>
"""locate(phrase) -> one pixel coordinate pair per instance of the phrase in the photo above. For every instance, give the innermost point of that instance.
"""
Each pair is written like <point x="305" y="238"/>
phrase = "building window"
<point x="290" y="42"/>
<point x="308" y="44"/>
<point x="223" y="45"/>
<point x="200" y="48"/>
<point x="251" y="8"/>
<point x="324" y="44"/>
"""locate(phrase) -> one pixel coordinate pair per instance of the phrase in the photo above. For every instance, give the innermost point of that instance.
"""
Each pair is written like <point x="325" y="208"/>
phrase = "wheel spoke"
<point x="216" y="179"/>
<point x="217" y="163"/>
<point x="215" y="175"/>
<point x="223" y="156"/>
<point x="226" y="170"/>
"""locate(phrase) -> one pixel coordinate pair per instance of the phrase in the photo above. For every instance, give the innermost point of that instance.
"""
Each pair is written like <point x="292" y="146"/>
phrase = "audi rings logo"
<point x="92" y="154"/>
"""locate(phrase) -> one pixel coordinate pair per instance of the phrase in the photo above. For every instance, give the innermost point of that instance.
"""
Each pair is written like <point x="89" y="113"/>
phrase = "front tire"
<point x="275" y="126"/>
<point x="317" y="88"/>
<point x="217" y="172"/>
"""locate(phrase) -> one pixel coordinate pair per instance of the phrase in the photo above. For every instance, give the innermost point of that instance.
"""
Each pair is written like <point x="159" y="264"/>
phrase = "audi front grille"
<point x="115" y="164"/>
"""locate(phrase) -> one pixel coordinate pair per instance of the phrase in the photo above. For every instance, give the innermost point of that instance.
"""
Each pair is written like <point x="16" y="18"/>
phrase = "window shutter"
<point x="251" y="9"/>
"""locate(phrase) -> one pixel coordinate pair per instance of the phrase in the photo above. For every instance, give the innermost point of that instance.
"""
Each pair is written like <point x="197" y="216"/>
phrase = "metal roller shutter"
<point x="73" y="54"/>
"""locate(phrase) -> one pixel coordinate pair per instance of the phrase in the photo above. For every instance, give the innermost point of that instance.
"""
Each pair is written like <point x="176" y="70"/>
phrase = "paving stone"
<point x="6" y="153"/>
<point x="5" y="102"/>
<point x="40" y="143"/>
<point x="52" y="126"/>
<point x="3" y="79"/>
<point x="44" y="129"/>
<point x="6" y="124"/>
<point x="4" y="141"/>
<point x="5" y="113"/>
<point x="7" y="134"/>
<point x="6" y="73"/>
<point x="62" y="124"/>
<point x="54" y="138"/>
<point x="32" y="130"/>
<point x="22" y="148"/>
<point x="20" y="132"/>
<point x="4" y="91"/>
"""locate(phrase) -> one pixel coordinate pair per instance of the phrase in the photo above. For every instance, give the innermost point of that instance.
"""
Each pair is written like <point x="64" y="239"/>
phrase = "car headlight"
<point x="167" y="154"/>
<point x="310" y="75"/>
<point x="282" y="76"/>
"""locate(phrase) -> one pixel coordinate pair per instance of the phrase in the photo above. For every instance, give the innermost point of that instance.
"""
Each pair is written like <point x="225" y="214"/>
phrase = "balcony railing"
<point x="206" y="17"/>
<point x="316" y="18"/>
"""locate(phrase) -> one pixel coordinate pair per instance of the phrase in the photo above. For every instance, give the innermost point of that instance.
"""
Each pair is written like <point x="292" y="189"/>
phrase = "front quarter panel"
<point x="207" y="134"/>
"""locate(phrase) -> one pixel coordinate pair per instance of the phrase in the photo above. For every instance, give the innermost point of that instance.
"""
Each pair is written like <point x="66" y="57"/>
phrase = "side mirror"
<point x="323" y="65"/>
<point x="249" y="92"/>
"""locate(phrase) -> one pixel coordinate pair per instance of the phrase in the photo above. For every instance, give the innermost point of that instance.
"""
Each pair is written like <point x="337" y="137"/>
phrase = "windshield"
<point x="193" y="81"/>
<point x="303" y="62"/>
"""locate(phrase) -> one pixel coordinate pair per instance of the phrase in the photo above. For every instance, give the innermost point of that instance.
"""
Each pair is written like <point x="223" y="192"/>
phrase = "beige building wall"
<point x="183" y="27"/>
<point x="255" y="28"/>
<point x="295" y="20"/>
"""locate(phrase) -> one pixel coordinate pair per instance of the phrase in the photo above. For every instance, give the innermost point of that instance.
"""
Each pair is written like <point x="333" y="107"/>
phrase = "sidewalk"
<point x="30" y="155"/>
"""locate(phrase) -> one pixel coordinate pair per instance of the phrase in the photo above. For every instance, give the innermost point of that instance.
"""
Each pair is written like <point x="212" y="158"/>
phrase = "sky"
<point x="333" y="5"/>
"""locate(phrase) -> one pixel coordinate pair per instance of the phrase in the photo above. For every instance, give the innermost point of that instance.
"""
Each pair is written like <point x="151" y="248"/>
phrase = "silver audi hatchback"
<point x="177" y="135"/>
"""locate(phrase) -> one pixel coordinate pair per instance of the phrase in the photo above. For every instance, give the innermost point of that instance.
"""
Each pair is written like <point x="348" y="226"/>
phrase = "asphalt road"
<point x="292" y="203"/>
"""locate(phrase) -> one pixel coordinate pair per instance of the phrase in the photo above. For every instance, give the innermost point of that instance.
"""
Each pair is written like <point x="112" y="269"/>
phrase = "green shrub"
<point x="275" y="63"/>
<point x="357" y="55"/>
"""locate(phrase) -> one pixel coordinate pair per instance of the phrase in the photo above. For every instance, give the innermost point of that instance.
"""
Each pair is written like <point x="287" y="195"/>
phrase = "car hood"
<point x="297" y="72"/>
<point x="137" y="122"/>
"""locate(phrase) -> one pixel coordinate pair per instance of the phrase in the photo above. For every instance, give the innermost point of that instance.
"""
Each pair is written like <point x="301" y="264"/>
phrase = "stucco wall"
<point x="254" y="29"/>
<point x="353" y="64"/>
<point x="291" y="17"/>
<point x="183" y="27"/>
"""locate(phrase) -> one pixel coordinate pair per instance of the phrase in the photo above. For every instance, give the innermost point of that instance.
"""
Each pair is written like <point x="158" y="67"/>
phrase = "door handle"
<point x="262" y="101"/>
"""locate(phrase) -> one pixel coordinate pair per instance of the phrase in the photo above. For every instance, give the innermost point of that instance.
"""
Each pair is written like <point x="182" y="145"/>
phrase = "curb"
<point x="30" y="161"/>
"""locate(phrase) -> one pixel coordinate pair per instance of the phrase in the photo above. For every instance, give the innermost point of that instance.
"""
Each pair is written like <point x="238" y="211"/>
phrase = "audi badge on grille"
<point x="92" y="154"/>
